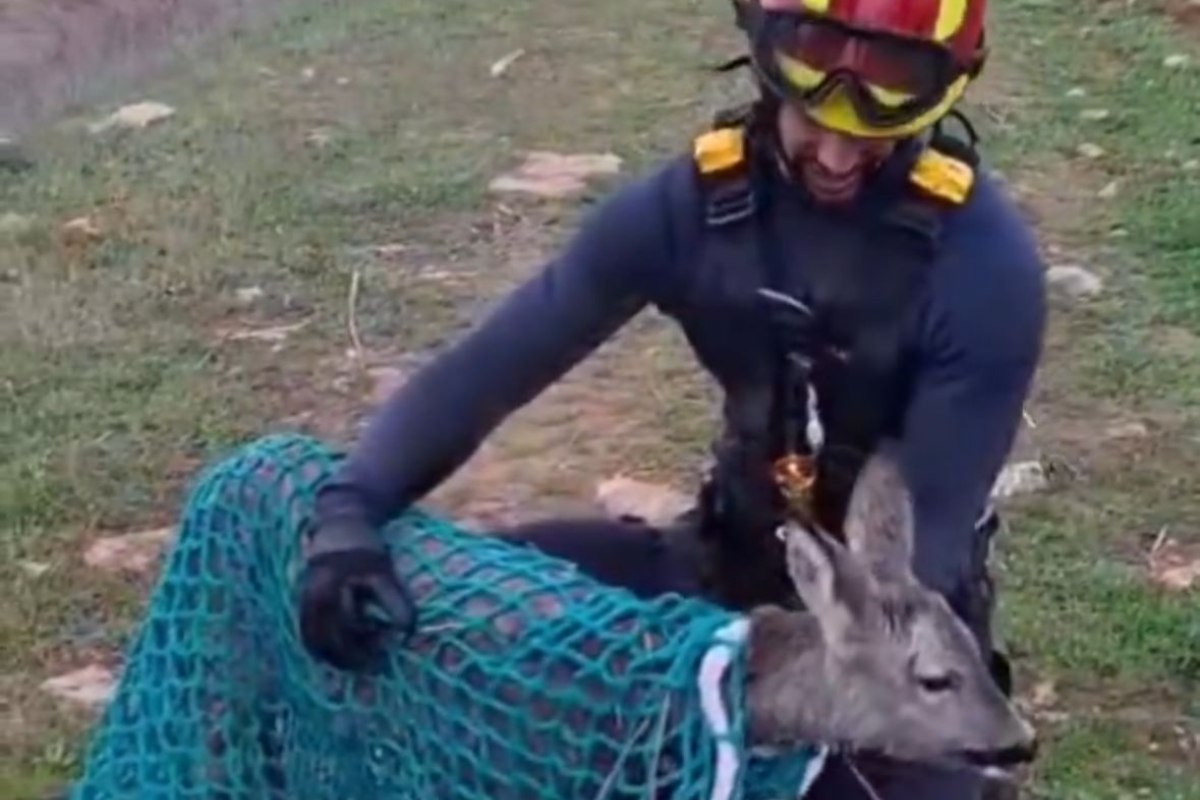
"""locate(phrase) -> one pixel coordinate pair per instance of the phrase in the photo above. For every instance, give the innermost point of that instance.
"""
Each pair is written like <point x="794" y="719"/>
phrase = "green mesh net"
<point x="527" y="679"/>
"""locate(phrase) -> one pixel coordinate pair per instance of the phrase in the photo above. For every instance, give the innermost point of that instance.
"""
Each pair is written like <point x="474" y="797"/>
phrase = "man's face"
<point x="833" y="166"/>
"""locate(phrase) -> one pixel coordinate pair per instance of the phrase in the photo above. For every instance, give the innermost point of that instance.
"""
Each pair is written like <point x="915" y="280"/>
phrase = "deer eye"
<point x="938" y="683"/>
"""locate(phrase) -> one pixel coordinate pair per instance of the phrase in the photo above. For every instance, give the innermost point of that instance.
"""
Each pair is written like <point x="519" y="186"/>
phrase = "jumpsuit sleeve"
<point x="612" y="268"/>
<point x="982" y="338"/>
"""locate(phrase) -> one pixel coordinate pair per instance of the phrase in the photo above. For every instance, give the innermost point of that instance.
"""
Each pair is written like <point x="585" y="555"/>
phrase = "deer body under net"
<point x="526" y="679"/>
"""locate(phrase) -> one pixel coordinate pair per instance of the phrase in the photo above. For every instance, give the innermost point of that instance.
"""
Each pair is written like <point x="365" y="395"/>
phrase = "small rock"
<point x="1109" y="191"/>
<point x="555" y="175"/>
<point x="1074" y="281"/>
<point x="1044" y="695"/>
<point x="1127" y="430"/>
<point x="308" y="74"/>
<point x="342" y="81"/>
<point x="15" y="225"/>
<point x="1094" y="114"/>
<point x="130" y="552"/>
<point x="277" y="333"/>
<point x="34" y="569"/>
<point x="1176" y="60"/>
<point x="622" y="497"/>
<point x="135" y="116"/>
<point x="389" y="250"/>
<point x="501" y="66"/>
<point x="1024" y="477"/>
<point x="385" y="382"/>
<point x="248" y="294"/>
<point x="1174" y="567"/>
<point x="81" y="230"/>
<point x="1192" y="165"/>
<point x="92" y="686"/>
<point x="1089" y="150"/>
<point x="1076" y="91"/>
<point x="318" y="138"/>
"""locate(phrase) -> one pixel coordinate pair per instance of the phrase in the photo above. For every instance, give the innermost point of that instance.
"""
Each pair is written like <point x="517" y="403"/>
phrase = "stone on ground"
<point x="1175" y="567"/>
<point x="1022" y="477"/>
<point x="1073" y="281"/>
<point x="547" y="174"/>
<point x="135" y="116"/>
<point x="653" y="503"/>
<point x="92" y="686"/>
<point x="130" y="552"/>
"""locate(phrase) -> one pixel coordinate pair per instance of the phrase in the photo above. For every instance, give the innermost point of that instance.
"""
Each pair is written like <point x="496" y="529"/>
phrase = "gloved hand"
<point x="351" y="597"/>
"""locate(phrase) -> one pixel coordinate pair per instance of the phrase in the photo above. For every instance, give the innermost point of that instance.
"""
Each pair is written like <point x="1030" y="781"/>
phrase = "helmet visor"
<point x="889" y="79"/>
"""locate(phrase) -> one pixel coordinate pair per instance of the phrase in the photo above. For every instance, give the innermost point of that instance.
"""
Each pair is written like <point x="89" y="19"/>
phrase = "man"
<point x="839" y="266"/>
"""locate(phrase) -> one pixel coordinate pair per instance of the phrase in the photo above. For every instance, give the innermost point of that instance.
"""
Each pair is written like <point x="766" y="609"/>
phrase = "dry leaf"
<point x="501" y="66"/>
<point x="556" y="175"/>
<point x="1109" y="191"/>
<point x="1094" y="114"/>
<point x="91" y="686"/>
<point x="130" y="552"/>
<point x="620" y="496"/>
<point x="136" y="116"/>
<point x="1090" y="150"/>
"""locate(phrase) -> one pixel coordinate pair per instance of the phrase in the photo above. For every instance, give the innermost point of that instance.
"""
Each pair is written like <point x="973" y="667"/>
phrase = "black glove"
<point x="351" y="597"/>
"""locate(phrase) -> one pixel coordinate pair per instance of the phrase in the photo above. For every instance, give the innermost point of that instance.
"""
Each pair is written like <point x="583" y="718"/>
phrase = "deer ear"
<point x="827" y="578"/>
<point x="879" y="519"/>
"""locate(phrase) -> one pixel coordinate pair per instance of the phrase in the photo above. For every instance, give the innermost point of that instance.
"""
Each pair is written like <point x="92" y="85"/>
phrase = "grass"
<point x="298" y="149"/>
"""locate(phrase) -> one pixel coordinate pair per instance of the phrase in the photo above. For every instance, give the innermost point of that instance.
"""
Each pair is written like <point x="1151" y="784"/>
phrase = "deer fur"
<point x="876" y="661"/>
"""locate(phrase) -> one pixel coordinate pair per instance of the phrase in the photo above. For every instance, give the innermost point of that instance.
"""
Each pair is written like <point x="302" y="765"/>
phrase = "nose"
<point x="1024" y="750"/>
<point x="835" y="152"/>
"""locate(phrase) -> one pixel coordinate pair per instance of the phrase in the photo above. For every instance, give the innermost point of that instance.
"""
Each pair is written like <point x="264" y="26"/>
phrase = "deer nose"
<point x="1023" y="752"/>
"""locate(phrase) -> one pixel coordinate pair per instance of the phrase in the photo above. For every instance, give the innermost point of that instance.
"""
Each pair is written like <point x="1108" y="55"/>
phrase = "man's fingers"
<point x="392" y="600"/>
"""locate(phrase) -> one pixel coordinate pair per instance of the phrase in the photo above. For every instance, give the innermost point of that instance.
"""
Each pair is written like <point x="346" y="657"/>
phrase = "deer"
<point x="876" y="662"/>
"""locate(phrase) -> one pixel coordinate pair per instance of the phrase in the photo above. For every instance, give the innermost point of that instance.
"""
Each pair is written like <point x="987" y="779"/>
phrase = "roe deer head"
<point x="877" y="662"/>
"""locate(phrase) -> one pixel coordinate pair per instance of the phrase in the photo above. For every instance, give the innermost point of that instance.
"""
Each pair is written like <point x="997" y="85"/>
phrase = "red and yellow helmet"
<point x="872" y="68"/>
